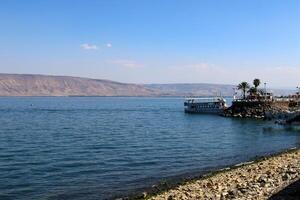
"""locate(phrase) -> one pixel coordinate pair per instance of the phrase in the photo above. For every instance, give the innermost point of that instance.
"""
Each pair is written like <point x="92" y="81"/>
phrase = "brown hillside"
<point x="41" y="85"/>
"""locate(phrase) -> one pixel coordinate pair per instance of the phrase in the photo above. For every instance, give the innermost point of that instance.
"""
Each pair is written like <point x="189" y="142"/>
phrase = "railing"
<point x="204" y="99"/>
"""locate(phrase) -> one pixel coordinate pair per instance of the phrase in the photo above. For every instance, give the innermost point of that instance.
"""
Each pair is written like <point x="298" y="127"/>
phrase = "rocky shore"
<point x="260" y="109"/>
<point x="247" y="109"/>
<point x="256" y="180"/>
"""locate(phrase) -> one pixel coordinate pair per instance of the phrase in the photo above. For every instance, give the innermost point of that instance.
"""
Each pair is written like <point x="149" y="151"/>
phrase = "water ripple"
<point x="97" y="148"/>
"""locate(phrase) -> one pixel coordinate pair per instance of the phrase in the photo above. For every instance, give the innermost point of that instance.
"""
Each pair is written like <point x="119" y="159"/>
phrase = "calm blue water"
<point x="96" y="148"/>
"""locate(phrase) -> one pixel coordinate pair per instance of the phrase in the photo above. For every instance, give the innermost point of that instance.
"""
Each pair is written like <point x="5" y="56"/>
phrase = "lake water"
<point x="98" y="147"/>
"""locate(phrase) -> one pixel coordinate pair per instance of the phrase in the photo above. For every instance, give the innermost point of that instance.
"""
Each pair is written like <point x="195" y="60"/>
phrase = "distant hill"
<point x="193" y="89"/>
<point x="204" y="89"/>
<point x="43" y="85"/>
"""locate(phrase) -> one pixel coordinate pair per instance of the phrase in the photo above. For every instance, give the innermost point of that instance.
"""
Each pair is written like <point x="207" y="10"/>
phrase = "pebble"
<point x="253" y="181"/>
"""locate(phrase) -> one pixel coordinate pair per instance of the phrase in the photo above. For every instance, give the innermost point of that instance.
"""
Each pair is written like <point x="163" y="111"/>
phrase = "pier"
<point x="264" y="105"/>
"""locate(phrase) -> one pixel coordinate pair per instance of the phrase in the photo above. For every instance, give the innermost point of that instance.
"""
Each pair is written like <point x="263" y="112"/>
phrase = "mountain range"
<point x="48" y="85"/>
<point x="43" y="85"/>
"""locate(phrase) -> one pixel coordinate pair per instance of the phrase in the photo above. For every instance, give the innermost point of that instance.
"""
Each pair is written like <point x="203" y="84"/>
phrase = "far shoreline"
<point x="113" y="96"/>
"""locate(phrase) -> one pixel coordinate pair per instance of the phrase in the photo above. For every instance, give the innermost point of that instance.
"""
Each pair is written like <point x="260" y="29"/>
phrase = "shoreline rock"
<point x="260" y="109"/>
<point x="247" y="109"/>
<point x="254" y="180"/>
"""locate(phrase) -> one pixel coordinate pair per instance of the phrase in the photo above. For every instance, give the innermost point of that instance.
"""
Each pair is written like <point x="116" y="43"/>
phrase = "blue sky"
<point x="143" y="41"/>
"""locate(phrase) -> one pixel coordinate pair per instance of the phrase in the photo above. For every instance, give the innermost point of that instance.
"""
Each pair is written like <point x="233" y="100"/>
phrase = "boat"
<point x="211" y="105"/>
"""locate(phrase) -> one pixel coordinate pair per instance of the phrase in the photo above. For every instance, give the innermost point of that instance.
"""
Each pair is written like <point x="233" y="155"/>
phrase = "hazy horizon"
<point x="154" y="42"/>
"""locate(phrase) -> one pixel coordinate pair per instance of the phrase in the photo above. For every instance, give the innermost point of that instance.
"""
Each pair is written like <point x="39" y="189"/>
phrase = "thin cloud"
<point x="89" y="47"/>
<point x="202" y="66"/>
<point x="125" y="63"/>
<point x="109" y="45"/>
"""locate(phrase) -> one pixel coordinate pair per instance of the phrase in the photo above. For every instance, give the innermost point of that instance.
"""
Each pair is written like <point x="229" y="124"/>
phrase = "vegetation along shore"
<point x="260" y="179"/>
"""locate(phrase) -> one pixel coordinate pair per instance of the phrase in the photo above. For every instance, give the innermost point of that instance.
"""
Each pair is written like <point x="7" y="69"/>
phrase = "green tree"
<point x="252" y="91"/>
<point x="243" y="86"/>
<point x="256" y="83"/>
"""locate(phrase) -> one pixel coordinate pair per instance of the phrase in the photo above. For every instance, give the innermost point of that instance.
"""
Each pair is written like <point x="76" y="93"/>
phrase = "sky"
<point x="154" y="41"/>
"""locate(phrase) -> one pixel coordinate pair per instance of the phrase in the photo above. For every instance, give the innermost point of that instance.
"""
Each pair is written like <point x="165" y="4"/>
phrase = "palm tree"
<point x="256" y="83"/>
<point x="252" y="91"/>
<point x="243" y="86"/>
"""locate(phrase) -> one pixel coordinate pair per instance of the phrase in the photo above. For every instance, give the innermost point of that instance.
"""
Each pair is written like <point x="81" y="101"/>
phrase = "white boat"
<point x="213" y="105"/>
